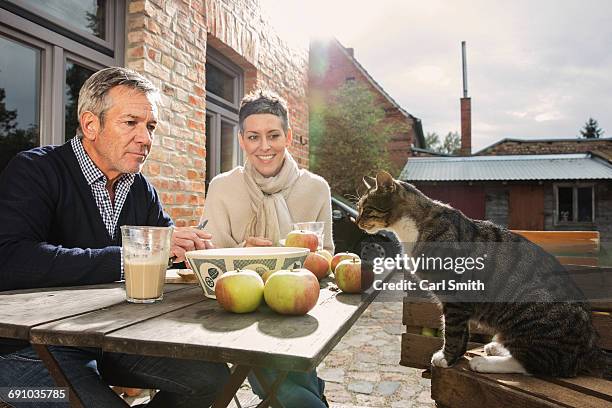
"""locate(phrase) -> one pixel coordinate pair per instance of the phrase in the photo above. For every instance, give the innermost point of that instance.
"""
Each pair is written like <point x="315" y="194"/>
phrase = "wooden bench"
<point x="569" y="247"/>
<point x="461" y="387"/>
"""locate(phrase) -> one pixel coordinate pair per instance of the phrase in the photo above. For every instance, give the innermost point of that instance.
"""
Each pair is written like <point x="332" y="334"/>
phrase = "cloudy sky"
<point x="536" y="68"/>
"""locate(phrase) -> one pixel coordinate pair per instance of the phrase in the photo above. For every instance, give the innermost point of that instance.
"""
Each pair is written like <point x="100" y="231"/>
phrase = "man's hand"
<point x="257" y="242"/>
<point x="188" y="239"/>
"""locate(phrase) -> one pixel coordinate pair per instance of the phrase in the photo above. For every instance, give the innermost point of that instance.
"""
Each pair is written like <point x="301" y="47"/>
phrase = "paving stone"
<point x="331" y="374"/>
<point x="402" y="404"/>
<point x="387" y="388"/>
<point x="371" y="401"/>
<point x="361" y="387"/>
<point x="394" y="329"/>
<point x="365" y="375"/>
<point x="425" y="397"/>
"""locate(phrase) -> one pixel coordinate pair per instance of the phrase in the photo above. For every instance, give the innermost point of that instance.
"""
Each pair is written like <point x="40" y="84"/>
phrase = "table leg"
<point x="271" y="399"/>
<point x="57" y="374"/>
<point x="229" y="390"/>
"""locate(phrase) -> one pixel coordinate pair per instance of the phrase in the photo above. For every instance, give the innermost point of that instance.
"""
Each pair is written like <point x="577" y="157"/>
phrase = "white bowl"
<point x="209" y="264"/>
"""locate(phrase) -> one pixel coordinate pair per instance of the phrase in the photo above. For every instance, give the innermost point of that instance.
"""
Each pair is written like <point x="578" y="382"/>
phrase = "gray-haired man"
<point x="60" y="212"/>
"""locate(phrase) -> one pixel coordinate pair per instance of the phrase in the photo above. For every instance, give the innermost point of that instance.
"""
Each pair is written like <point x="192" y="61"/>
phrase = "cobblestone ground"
<point x="363" y="369"/>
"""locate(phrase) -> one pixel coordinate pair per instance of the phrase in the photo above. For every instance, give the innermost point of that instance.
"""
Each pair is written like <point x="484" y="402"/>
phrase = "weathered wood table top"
<point x="184" y="325"/>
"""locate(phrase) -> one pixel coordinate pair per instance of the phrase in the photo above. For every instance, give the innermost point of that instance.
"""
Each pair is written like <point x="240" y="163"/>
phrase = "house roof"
<point x="417" y="125"/>
<point x="574" y="140"/>
<point x="582" y="166"/>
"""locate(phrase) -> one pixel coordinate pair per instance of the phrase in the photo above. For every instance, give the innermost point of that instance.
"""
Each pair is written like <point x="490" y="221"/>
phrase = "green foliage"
<point x="591" y="130"/>
<point x="349" y="138"/>
<point x="450" y="145"/>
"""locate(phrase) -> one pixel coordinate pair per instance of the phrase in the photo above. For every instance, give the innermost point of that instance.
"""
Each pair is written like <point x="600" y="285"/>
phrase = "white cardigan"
<point x="228" y="207"/>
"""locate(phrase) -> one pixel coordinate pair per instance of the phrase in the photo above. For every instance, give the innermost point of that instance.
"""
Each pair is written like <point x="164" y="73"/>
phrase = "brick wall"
<point x="547" y="147"/>
<point x="330" y="68"/>
<point x="167" y="41"/>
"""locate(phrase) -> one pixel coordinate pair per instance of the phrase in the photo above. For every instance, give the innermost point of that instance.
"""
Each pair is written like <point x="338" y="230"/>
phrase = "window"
<point x="19" y="98"/>
<point x="574" y="203"/>
<point x="48" y="50"/>
<point x="224" y="89"/>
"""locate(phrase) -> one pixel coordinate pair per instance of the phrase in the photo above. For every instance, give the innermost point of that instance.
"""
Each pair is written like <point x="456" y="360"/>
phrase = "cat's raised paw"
<point x="496" y="349"/>
<point x="438" y="359"/>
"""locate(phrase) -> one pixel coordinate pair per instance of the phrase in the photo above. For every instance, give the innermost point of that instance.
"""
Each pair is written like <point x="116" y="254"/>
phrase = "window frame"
<point x="221" y="110"/>
<point x="222" y="63"/>
<point x="50" y="22"/>
<point x="57" y="48"/>
<point x="575" y="187"/>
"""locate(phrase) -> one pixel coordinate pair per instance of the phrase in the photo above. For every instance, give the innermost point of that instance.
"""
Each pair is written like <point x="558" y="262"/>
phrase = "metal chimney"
<point x="466" y="110"/>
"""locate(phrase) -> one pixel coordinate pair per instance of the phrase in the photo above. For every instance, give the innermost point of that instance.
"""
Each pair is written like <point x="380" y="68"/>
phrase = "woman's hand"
<point x="257" y="242"/>
<point x="188" y="239"/>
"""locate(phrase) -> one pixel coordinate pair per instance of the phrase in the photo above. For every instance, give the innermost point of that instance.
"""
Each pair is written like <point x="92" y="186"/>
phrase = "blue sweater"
<point x="51" y="231"/>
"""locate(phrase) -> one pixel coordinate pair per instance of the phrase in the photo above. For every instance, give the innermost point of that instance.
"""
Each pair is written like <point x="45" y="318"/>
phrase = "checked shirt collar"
<point x="97" y="182"/>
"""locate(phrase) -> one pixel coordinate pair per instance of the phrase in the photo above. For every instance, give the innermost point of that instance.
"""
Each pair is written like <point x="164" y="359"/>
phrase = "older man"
<point x="60" y="212"/>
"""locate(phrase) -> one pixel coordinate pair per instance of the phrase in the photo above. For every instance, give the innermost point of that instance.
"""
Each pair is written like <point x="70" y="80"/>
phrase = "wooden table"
<point x="184" y="325"/>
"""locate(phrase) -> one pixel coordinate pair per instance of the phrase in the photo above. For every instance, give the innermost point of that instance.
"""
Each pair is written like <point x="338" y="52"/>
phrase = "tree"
<point x="349" y="137"/>
<point x="432" y="140"/>
<point x="450" y="145"/>
<point x="12" y="139"/>
<point x="591" y="130"/>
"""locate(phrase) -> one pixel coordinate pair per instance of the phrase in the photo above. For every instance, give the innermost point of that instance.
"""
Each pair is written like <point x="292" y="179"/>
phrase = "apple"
<point x="350" y="278"/>
<point x="267" y="274"/>
<point x="317" y="264"/>
<point x="429" y="332"/>
<point x="239" y="291"/>
<point x="341" y="256"/>
<point x="292" y="292"/>
<point x="327" y="255"/>
<point x="302" y="239"/>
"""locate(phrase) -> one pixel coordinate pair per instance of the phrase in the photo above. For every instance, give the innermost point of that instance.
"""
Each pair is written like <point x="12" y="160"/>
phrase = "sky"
<point x="537" y="69"/>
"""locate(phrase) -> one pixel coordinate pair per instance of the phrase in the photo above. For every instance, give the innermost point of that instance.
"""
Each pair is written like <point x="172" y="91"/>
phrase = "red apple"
<point x="341" y="256"/>
<point x="292" y="292"/>
<point x="239" y="291"/>
<point x="348" y="276"/>
<point x="317" y="264"/>
<point x="302" y="239"/>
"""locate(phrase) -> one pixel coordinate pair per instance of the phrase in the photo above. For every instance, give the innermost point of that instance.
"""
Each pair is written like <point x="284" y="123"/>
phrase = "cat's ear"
<point x="385" y="182"/>
<point x="367" y="185"/>
<point x="370" y="182"/>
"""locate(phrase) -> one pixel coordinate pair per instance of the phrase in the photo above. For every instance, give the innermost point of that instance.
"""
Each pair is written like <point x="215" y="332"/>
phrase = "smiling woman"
<point x="256" y="205"/>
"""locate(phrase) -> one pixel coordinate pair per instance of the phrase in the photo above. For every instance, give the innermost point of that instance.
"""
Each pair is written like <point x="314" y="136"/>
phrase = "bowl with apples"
<point x="209" y="264"/>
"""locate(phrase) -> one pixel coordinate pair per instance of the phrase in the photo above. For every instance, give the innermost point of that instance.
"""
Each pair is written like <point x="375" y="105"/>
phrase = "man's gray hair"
<point x="93" y="96"/>
<point x="263" y="101"/>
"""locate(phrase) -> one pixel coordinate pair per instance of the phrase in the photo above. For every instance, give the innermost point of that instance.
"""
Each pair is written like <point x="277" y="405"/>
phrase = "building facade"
<point x="333" y="65"/>
<point x="203" y="55"/>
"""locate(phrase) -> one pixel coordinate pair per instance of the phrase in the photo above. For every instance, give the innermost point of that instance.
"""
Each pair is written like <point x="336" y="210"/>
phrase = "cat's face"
<point x="375" y="204"/>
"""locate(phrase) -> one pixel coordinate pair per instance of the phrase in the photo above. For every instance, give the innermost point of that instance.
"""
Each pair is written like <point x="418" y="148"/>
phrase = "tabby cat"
<point x="542" y="325"/>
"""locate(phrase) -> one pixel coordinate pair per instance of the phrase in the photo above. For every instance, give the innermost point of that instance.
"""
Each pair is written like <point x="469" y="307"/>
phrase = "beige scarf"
<point x="272" y="219"/>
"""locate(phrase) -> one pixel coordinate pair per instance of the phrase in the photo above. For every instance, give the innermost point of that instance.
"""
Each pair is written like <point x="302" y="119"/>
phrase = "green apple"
<point x="239" y="291"/>
<point x="429" y="332"/>
<point x="341" y="256"/>
<point x="327" y="255"/>
<point x="348" y="276"/>
<point x="292" y="292"/>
